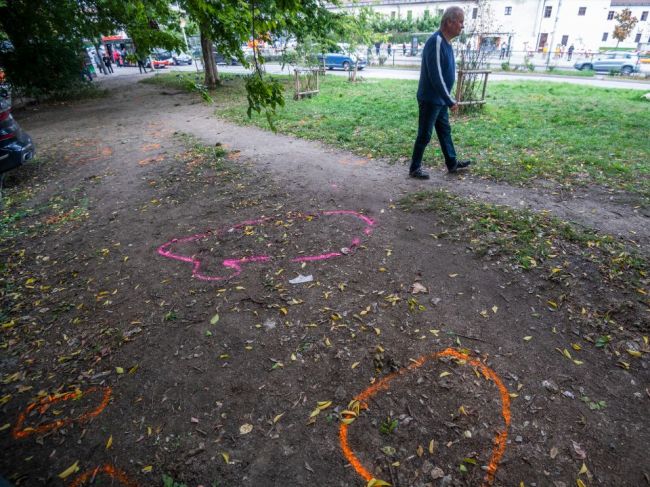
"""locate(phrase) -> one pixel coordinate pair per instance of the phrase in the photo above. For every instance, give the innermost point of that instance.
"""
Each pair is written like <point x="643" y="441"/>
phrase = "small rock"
<point x="435" y="301"/>
<point x="550" y="386"/>
<point x="427" y="466"/>
<point x="519" y="439"/>
<point x="269" y="324"/>
<point x="437" y="473"/>
<point x="446" y="481"/>
<point x="569" y="394"/>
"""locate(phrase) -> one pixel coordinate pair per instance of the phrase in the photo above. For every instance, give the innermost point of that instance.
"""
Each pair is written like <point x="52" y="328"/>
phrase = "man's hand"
<point x="454" y="108"/>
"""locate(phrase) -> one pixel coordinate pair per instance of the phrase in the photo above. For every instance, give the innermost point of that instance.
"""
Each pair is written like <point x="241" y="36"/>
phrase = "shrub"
<point x="505" y="66"/>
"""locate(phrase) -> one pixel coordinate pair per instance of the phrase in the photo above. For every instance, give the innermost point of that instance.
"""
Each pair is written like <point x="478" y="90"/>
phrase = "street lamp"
<point x="183" y="23"/>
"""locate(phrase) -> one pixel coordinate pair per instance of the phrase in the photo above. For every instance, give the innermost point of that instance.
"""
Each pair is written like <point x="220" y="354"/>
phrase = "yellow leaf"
<point x="580" y="483"/>
<point x="323" y="404"/>
<point x="578" y="362"/>
<point x="315" y="412"/>
<point x="566" y="353"/>
<point x="444" y="374"/>
<point x="513" y="394"/>
<point x="5" y="399"/>
<point x="226" y="457"/>
<point x="432" y="446"/>
<point x="377" y="483"/>
<point x="583" y="470"/>
<point x="70" y="470"/>
<point x="382" y="269"/>
<point x="109" y="443"/>
<point x="119" y="370"/>
<point x="420" y="450"/>
<point x="347" y="420"/>
<point x="495" y="309"/>
<point x="453" y="275"/>
<point x="293" y="357"/>
<point x="277" y="418"/>
<point x="377" y="331"/>
<point x="283" y="311"/>
<point x="634" y="353"/>
<point x="462" y="410"/>
<point x="215" y="319"/>
<point x="484" y="313"/>
<point x="576" y="347"/>
<point x="245" y="428"/>
<point x="327" y="342"/>
<point x="149" y="431"/>
<point x="147" y="469"/>
<point x="528" y="338"/>
<point x="5" y="426"/>
<point x="355" y="365"/>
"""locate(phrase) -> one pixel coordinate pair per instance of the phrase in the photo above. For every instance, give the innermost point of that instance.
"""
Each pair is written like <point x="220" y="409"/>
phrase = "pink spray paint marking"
<point x="237" y="263"/>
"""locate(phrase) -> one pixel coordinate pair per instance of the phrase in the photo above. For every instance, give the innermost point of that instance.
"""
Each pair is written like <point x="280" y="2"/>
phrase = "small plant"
<point x="170" y="316"/>
<point x="388" y="426"/>
<point x="550" y="69"/>
<point x="170" y="482"/>
<point x="505" y="66"/>
<point x="530" y="66"/>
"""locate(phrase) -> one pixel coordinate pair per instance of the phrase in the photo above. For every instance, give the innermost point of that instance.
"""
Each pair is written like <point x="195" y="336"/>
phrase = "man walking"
<point x="434" y="94"/>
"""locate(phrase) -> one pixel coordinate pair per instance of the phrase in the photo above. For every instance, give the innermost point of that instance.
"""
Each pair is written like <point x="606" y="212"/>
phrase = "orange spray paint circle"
<point x="383" y="384"/>
<point x="109" y="470"/>
<point x="42" y="405"/>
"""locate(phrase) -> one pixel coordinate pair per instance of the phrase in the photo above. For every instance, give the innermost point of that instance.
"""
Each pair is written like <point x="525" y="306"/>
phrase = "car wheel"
<point x="346" y="66"/>
<point x="626" y="70"/>
<point x="587" y="66"/>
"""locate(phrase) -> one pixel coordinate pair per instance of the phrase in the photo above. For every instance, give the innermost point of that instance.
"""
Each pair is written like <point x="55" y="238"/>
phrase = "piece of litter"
<point x="301" y="279"/>
<point x="345" y="250"/>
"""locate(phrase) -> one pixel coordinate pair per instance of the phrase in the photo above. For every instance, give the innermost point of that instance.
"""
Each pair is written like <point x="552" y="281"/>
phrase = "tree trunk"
<point x="210" y="66"/>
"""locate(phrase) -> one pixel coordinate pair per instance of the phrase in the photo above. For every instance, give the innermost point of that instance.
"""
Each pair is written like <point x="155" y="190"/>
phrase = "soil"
<point x="187" y="368"/>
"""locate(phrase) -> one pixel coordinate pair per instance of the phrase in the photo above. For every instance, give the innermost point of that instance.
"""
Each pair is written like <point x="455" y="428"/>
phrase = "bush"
<point x="505" y="66"/>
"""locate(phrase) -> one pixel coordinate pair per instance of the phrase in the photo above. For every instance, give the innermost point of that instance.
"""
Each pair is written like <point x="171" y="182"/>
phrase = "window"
<point x="565" y="40"/>
<point x="474" y="13"/>
<point x="426" y="14"/>
<point x="409" y="15"/>
<point x="610" y="15"/>
<point x="547" y="11"/>
<point x="605" y="36"/>
<point x="644" y="15"/>
<point x="508" y="10"/>
<point x="637" y="39"/>
<point x="582" y="10"/>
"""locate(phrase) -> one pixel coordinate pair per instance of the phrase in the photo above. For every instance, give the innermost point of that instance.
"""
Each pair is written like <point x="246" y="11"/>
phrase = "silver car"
<point x="618" y="61"/>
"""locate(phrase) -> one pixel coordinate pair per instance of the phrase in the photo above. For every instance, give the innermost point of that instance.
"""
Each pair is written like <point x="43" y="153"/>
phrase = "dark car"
<point x="222" y="60"/>
<point x="16" y="146"/>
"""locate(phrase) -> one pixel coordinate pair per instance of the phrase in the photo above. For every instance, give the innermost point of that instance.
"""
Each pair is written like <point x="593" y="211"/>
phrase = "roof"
<point x="630" y="3"/>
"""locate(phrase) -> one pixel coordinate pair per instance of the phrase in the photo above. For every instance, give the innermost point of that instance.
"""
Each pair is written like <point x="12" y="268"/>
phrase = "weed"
<point x="388" y="426"/>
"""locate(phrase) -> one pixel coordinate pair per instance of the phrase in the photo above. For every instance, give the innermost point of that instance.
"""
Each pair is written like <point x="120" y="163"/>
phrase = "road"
<point x="410" y="74"/>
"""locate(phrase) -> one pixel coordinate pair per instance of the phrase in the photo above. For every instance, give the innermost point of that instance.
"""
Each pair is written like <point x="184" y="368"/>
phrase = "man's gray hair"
<point x="451" y="14"/>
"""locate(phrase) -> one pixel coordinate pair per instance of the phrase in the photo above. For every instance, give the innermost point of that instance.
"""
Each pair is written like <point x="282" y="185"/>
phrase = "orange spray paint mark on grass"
<point x="110" y="470"/>
<point x="43" y="405"/>
<point x="383" y="384"/>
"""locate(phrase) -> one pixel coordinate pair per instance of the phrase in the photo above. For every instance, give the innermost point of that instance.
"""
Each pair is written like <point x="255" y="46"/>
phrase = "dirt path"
<point x="112" y="281"/>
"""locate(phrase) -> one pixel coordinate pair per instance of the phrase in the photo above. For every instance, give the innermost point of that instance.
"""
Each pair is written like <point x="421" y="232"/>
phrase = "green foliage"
<point x="388" y="426"/>
<point x="170" y="482"/>
<point x="505" y="66"/>
<point x="264" y="94"/>
<point x="48" y="55"/>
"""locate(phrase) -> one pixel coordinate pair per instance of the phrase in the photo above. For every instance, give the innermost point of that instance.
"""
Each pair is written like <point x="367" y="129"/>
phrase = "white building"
<point x="533" y="24"/>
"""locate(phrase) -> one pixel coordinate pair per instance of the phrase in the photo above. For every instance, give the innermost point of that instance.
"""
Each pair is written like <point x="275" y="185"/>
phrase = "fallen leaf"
<point x="418" y="288"/>
<point x="554" y="451"/>
<point x="215" y="319"/>
<point x="245" y="428"/>
<point x="323" y="404"/>
<point x="528" y="338"/>
<point x="277" y="418"/>
<point x="225" y="456"/>
<point x="147" y="469"/>
<point x="70" y="470"/>
<point x="579" y="450"/>
<point x="444" y="374"/>
<point x="109" y="443"/>
<point x="355" y="365"/>
<point x="377" y="483"/>
<point x="583" y="469"/>
<point x="119" y="370"/>
<point x="495" y="309"/>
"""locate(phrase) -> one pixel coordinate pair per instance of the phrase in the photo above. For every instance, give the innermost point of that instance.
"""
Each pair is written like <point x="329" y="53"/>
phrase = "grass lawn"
<point x="529" y="129"/>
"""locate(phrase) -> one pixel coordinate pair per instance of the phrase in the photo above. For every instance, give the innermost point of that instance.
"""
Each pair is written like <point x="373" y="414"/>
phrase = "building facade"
<point x="533" y="25"/>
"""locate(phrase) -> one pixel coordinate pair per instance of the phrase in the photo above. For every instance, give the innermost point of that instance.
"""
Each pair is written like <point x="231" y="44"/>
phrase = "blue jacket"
<point x="438" y="72"/>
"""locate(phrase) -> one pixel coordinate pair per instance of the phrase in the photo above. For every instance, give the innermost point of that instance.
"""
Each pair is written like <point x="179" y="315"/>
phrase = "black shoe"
<point x="419" y="174"/>
<point x="460" y="165"/>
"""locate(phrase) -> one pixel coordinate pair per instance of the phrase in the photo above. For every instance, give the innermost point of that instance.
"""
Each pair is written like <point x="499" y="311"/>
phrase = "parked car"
<point x="618" y="61"/>
<point x="181" y="58"/>
<point x="16" y="146"/>
<point x="220" y="59"/>
<point x="341" y="61"/>
<point x="160" y="59"/>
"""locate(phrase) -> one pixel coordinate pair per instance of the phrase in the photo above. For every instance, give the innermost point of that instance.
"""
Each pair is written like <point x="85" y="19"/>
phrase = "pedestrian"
<point x="116" y="57"/>
<point x="83" y="66"/>
<point x="403" y="48"/>
<point x="503" y="50"/>
<point x="390" y="49"/>
<point x="100" y="63"/>
<point x="107" y="62"/>
<point x="434" y="94"/>
<point x="570" y="52"/>
<point x="377" y="46"/>
<point x="142" y="66"/>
